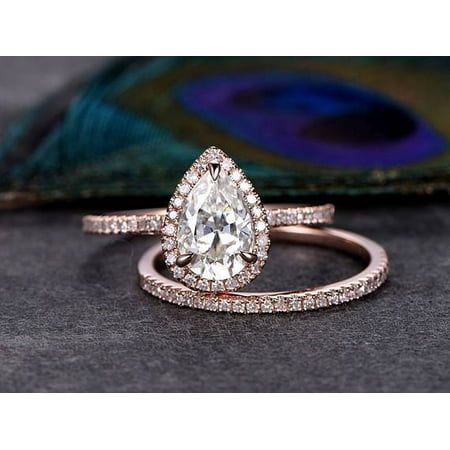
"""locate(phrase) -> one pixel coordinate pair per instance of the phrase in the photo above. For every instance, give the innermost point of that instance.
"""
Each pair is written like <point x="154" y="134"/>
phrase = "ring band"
<point x="150" y="221"/>
<point x="365" y="282"/>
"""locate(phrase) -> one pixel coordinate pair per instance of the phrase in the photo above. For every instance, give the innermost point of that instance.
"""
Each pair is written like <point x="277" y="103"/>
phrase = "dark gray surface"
<point x="73" y="319"/>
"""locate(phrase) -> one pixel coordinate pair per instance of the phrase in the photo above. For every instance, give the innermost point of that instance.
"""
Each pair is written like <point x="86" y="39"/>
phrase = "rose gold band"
<point x="343" y="291"/>
<point x="149" y="221"/>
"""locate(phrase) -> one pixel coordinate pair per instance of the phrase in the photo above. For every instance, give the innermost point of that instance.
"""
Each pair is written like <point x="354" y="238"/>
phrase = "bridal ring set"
<point x="215" y="239"/>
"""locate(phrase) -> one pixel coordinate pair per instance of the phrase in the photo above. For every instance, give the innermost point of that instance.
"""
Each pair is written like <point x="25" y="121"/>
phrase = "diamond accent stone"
<point x="251" y="199"/>
<point x="231" y="284"/>
<point x="192" y="177"/>
<point x="236" y="175"/>
<point x="171" y="258"/>
<point x="203" y="285"/>
<point x="172" y="215"/>
<point x="185" y="188"/>
<point x="257" y="211"/>
<point x="169" y="229"/>
<point x="263" y="240"/>
<point x="266" y="306"/>
<point x="260" y="225"/>
<point x="245" y="186"/>
<point x="177" y="202"/>
<point x="238" y="306"/>
<point x="227" y="164"/>
<point x="169" y="244"/>
<point x="224" y="305"/>
<point x="178" y="272"/>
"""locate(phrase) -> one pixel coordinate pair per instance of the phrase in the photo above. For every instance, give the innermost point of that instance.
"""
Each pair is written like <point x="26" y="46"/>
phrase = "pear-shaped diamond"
<point x="219" y="224"/>
<point x="215" y="226"/>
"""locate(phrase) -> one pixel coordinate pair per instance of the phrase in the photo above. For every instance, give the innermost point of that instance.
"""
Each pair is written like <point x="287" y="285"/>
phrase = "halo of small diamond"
<point x="260" y="224"/>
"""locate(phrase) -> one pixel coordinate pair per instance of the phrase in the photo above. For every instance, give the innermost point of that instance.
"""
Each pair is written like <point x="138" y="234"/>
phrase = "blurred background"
<point x="121" y="128"/>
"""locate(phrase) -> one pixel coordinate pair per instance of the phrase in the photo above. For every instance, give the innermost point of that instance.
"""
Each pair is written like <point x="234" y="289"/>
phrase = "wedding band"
<point x="357" y="286"/>
<point x="149" y="221"/>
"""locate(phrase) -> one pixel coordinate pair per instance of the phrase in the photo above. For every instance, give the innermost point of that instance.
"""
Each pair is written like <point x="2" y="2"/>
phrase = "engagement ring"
<point x="215" y="239"/>
<point x="215" y="231"/>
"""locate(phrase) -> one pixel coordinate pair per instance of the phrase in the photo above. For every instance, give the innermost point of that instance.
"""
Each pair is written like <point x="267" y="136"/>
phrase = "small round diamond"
<point x="123" y="226"/>
<point x="335" y="298"/>
<point x="171" y="258"/>
<point x="231" y="284"/>
<point x="253" y="306"/>
<point x="224" y="305"/>
<point x="260" y="226"/>
<point x="243" y="277"/>
<point x="236" y="175"/>
<point x="192" y="177"/>
<point x="184" y="188"/>
<point x="261" y="254"/>
<point x="203" y="285"/>
<point x="281" y="304"/>
<point x="190" y="279"/>
<point x="245" y="186"/>
<point x="238" y="306"/>
<point x="257" y="212"/>
<point x="227" y="164"/>
<point x="362" y="289"/>
<point x="177" y="202"/>
<point x="217" y="286"/>
<point x="263" y="240"/>
<point x="266" y="306"/>
<point x="322" y="301"/>
<point x="169" y="244"/>
<point x="169" y="229"/>
<point x="132" y="224"/>
<point x="151" y="224"/>
<point x="251" y="199"/>
<point x="178" y="272"/>
<point x="296" y="303"/>
<point x="211" y="304"/>
<point x="308" y="303"/>
<point x="214" y="154"/>
<point x="172" y="215"/>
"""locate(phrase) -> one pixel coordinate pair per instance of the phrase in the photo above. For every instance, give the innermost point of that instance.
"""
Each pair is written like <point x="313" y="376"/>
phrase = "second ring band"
<point x="359" y="285"/>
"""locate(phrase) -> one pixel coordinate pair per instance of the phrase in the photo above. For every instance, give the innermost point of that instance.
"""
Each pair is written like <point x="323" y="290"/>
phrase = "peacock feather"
<point x="297" y="126"/>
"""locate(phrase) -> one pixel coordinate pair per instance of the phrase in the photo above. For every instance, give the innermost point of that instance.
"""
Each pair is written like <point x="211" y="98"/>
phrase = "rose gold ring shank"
<point x="365" y="282"/>
<point x="150" y="221"/>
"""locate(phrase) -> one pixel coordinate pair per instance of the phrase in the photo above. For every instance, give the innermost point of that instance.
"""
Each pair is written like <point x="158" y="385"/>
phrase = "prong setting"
<point x="184" y="260"/>
<point x="248" y="257"/>
<point x="214" y="170"/>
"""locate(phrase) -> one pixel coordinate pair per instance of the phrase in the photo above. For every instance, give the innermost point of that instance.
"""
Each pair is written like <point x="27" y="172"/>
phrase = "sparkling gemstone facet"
<point x="215" y="226"/>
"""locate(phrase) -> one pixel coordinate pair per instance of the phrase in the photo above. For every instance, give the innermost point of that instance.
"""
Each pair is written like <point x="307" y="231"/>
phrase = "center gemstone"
<point x="215" y="226"/>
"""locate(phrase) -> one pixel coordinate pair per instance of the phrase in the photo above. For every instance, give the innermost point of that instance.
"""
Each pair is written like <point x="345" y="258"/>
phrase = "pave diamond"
<point x="215" y="225"/>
